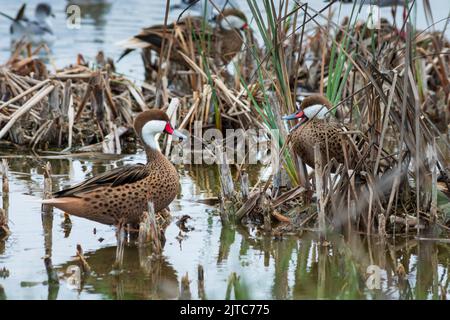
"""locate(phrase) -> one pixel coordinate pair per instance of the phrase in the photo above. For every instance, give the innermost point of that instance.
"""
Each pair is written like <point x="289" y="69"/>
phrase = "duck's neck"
<point x="152" y="154"/>
<point x="151" y="146"/>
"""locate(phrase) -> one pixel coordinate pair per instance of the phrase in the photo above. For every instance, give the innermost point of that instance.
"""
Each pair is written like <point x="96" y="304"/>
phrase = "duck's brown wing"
<point x="113" y="178"/>
<point x="152" y="37"/>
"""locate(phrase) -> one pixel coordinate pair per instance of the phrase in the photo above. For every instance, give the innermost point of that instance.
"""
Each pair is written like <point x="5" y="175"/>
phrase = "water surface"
<point x="269" y="268"/>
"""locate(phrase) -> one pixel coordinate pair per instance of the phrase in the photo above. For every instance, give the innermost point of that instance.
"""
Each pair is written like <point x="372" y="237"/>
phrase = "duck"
<point x="35" y="31"/>
<point x="121" y="195"/>
<point x="316" y="126"/>
<point x="226" y="37"/>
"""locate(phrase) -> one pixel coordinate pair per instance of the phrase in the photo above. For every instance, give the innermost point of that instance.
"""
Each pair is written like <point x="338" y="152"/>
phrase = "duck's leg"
<point x="132" y="228"/>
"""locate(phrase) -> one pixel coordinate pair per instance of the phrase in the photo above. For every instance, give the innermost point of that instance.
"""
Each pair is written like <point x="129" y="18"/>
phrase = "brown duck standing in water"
<point x="226" y="39"/>
<point x="317" y="126"/>
<point x="122" y="194"/>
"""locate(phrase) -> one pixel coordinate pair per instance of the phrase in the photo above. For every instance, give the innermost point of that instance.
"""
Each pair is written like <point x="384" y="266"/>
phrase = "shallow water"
<point x="290" y="268"/>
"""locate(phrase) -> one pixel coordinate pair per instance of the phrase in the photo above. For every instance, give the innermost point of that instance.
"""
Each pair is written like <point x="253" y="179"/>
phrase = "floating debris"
<point x="181" y="223"/>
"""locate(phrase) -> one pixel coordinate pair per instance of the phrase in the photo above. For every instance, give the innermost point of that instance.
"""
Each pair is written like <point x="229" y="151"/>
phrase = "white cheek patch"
<point x="232" y="22"/>
<point x="150" y="130"/>
<point x="317" y="111"/>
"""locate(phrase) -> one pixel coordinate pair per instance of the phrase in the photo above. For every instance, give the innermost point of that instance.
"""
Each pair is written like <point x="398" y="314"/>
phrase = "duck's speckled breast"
<point x="325" y="133"/>
<point x="163" y="183"/>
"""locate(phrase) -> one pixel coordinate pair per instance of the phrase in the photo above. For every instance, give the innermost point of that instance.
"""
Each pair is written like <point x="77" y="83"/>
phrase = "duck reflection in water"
<point x="141" y="277"/>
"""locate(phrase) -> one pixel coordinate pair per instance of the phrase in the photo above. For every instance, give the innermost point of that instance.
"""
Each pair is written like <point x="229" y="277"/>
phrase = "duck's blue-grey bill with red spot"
<point x="181" y="137"/>
<point x="297" y="115"/>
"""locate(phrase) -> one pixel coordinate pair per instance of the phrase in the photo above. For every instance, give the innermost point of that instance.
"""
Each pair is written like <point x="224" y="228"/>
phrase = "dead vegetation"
<point x="383" y="85"/>
<point x="79" y="108"/>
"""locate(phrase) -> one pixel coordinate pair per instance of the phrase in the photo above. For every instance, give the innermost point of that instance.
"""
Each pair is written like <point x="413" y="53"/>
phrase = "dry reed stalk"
<point x="192" y="110"/>
<point x="24" y="93"/>
<point x="172" y="111"/>
<point x="201" y="282"/>
<point x="84" y="265"/>
<point x="319" y="191"/>
<point x="47" y="193"/>
<point x="51" y="272"/>
<point x="244" y="185"/>
<point x="121" y="238"/>
<point x="381" y="226"/>
<point x="267" y="210"/>
<point x="5" y="179"/>
<point x="185" y="290"/>
<point x="4" y="229"/>
<point x="433" y="165"/>
<point x="144" y="230"/>
<point x="26" y="107"/>
<point x="149" y="231"/>
<point x="137" y="96"/>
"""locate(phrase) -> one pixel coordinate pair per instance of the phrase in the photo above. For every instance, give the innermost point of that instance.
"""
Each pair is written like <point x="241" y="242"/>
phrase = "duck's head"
<point x="43" y="11"/>
<point x="152" y="122"/>
<point x="230" y="19"/>
<point x="315" y="106"/>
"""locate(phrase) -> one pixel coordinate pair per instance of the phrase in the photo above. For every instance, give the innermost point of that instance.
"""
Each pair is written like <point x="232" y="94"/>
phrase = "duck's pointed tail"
<point x="71" y="205"/>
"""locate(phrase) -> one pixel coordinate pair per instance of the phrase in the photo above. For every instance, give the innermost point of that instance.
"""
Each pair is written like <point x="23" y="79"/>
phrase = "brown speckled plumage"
<point x="325" y="132"/>
<point x="122" y="194"/>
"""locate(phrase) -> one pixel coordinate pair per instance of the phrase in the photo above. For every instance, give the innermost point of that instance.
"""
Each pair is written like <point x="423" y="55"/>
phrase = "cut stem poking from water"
<point x="185" y="290"/>
<point x="149" y="231"/>
<point x="47" y="194"/>
<point x="4" y="229"/>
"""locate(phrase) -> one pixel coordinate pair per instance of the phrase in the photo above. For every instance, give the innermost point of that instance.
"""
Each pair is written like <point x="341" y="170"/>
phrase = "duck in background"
<point x="36" y="31"/>
<point x="225" y="36"/>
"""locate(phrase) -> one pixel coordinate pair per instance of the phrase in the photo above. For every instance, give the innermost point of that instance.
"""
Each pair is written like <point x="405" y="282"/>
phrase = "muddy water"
<point x="268" y="268"/>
